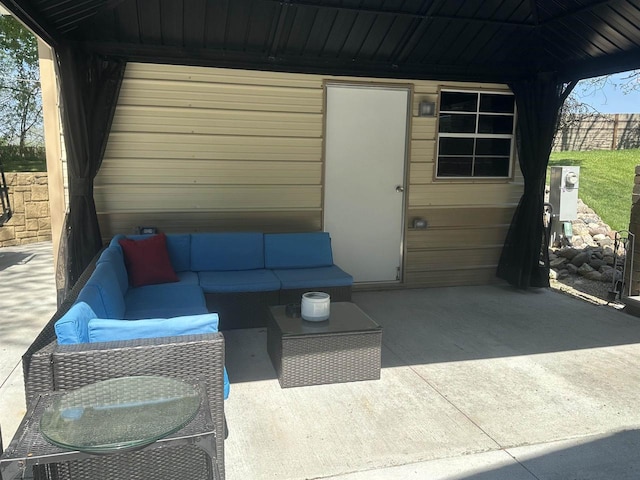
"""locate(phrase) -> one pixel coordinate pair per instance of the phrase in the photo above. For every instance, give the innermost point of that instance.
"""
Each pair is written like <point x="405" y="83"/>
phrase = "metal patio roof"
<point x="494" y="40"/>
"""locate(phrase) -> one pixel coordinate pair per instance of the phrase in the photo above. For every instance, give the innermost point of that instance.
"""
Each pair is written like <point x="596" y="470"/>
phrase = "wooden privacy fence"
<point x="599" y="132"/>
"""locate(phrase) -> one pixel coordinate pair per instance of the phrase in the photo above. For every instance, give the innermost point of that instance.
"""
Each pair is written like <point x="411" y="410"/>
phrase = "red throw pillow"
<point x="147" y="260"/>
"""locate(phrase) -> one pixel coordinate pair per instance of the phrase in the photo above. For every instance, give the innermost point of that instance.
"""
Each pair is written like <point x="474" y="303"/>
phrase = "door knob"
<point x="399" y="188"/>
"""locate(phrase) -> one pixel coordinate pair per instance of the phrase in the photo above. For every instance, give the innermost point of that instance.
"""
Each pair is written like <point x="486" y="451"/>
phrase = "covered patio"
<point x="476" y="383"/>
<point x="480" y="382"/>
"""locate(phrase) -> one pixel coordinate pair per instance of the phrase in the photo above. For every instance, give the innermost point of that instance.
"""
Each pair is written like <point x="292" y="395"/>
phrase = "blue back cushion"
<point x="73" y="326"/>
<point x="227" y="251"/>
<point x="178" y="246"/>
<point x="113" y="256"/>
<point x="102" y="292"/>
<point x="297" y="250"/>
<point x="108" y="330"/>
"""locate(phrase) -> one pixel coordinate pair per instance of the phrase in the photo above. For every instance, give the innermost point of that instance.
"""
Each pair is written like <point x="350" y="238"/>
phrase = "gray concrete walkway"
<point x="27" y="302"/>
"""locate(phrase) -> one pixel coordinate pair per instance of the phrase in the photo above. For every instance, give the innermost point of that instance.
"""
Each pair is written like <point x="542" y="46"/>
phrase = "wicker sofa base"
<point x="294" y="295"/>
<point x="241" y="309"/>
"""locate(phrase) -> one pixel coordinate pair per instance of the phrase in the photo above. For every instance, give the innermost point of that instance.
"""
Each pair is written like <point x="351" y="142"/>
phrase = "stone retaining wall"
<point x="596" y="252"/>
<point x="31" y="221"/>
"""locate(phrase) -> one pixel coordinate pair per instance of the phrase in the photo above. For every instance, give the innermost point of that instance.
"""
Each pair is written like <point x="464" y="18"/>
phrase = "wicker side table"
<point x="345" y="348"/>
<point x="29" y="448"/>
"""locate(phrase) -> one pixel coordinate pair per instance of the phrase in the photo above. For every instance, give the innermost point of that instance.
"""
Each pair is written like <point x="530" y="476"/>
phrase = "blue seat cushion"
<point x="227" y="251"/>
<point x="164" y="300"/>
<point x="188" y="278"/>
<point x="102" y="292"/>
<point x="297" y="250"/>
<point x="73" y="326"/>
<point x="242" y="281"/>
<point x="332" y="276"/>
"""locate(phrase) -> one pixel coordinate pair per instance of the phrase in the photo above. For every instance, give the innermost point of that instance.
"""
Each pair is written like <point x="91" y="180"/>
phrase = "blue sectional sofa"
<point x="107" y="327"/>
<point x="233" y="275"/>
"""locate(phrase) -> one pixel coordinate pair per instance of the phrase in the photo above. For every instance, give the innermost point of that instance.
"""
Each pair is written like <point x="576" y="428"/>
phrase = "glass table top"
<point x="120" y="414"/>
<point x="344" y="317"/>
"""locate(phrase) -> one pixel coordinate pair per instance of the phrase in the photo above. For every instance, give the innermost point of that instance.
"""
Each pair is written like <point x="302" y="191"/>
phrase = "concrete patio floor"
<point x="478" y="383"/>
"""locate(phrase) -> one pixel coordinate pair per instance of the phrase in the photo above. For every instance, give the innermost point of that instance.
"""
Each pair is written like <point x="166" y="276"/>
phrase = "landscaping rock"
<point x="596" y="263"/>
<point x="596" y="276"/>
<point x="558" y="262"/>
<point x="584" y="269"/>
<point x="609" y="275"/>
<point x="568" y="252"/>
<point x="581" y="258"/>
<point x="590" y="255"/>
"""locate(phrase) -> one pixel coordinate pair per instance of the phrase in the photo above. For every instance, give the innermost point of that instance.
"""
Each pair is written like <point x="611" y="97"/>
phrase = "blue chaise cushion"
<point x="73" y="326"/>
<point x="227" y="251"/>
<point x="108" y="330"/>
<point x="332" y="276"/>
<point x="297" y="250"/>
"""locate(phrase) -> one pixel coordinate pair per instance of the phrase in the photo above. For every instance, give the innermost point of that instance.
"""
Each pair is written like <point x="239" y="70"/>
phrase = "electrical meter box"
<point x="563" y="193"/>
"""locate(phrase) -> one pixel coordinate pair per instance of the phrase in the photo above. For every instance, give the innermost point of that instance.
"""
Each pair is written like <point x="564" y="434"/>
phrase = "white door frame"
<point x="405" y="164"/>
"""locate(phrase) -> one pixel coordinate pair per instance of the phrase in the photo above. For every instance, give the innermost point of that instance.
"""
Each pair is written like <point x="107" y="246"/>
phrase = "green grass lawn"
<point x="606" y="181"/>
<point x="24" y="165"/>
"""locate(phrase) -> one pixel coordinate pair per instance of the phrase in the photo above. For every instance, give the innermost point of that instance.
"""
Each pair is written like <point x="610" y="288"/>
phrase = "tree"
<point x="21" y="123"/>
<point x="627" y="83"/>
<point x="575" y="106"/>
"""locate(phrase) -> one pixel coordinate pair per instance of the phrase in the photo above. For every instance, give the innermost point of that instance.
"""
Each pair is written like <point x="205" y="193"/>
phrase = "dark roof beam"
<point x="279" y="20"/>
<point x="408" y="44"/>
<point x="579" y="10"/>
<point x="68" y="18"/>
<point x="302" y="64"/>
<point x="533" y="6"/>
<point x="37" y="24"/>
<point x="399" y="13"/>
<point x="605" y="65"/>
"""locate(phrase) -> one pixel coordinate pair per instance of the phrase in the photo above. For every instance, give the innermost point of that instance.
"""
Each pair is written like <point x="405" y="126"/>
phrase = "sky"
<point x="610" y="97"/>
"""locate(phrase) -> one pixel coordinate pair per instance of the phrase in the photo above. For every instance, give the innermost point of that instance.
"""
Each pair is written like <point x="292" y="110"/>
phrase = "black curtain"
<point x="89" y="86"/>
<point x="538" y="101"/>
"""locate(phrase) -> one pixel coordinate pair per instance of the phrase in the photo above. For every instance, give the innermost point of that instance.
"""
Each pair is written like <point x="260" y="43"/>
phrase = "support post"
<point x="634" y="228"/>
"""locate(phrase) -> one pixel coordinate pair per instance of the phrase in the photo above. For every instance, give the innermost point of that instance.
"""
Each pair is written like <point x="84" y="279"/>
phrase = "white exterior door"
<point x="365" y="158"/>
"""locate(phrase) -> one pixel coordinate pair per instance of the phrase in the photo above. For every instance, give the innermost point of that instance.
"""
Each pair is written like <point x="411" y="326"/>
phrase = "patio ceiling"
<point x="492" y="40"/>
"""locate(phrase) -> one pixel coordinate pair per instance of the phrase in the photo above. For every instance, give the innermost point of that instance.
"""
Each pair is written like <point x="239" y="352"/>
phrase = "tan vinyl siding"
<point x="192" y="221"/>
<point x="211" y="149"/>
<point x="202" y="149"/>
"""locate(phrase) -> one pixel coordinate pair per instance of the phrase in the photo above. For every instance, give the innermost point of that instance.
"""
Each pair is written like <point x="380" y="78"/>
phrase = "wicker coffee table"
<point x="345" y="348"/>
